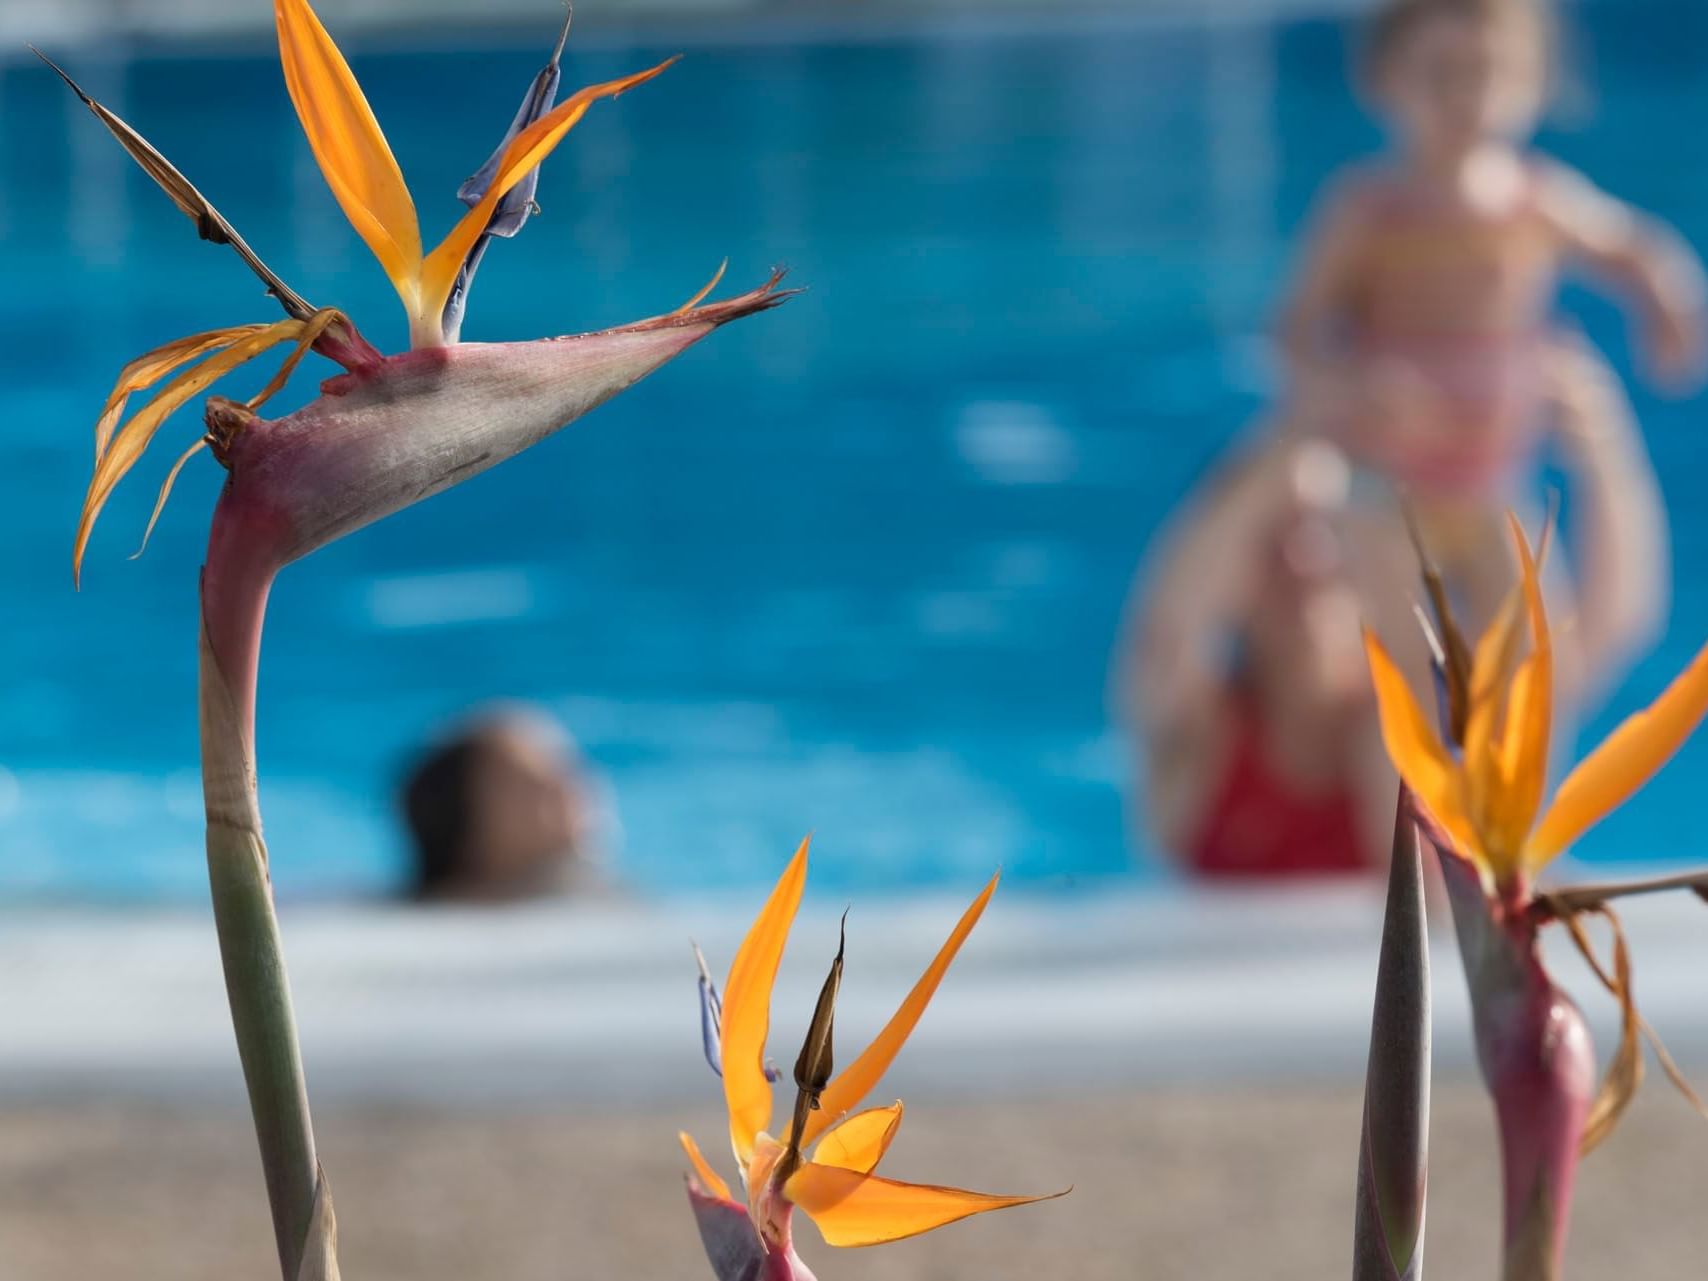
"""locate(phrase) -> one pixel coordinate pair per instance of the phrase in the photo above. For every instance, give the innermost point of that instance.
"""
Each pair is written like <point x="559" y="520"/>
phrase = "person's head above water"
<point x="1302" y="632"/>
<point x="1450" y="74"/>
<point x="497" y="810"/>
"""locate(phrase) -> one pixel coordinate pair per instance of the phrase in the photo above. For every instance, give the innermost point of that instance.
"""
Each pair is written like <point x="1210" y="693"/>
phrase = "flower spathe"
<point x="827" y="1172"/>
<point x="1485" y="801"/>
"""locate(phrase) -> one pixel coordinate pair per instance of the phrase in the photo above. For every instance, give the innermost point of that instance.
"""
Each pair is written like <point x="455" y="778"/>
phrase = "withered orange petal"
<point x="150" y="367"/>
<point x="129" y="442"/>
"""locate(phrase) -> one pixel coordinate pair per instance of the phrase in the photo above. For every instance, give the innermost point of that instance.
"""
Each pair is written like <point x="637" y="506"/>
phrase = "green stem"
<point x="255" y="979"/>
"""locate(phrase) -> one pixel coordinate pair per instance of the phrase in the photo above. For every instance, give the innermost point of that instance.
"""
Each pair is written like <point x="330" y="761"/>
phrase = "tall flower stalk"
<point x="387" y="432"/>
<point x="1480" y="789"/>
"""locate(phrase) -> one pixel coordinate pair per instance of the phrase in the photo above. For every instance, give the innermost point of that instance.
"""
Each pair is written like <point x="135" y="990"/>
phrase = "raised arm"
<point x="1170" y="670"/>
<point x="1641" y="256"/>
<point x="1619" y="543"/>
<point x="1190" y="594"/>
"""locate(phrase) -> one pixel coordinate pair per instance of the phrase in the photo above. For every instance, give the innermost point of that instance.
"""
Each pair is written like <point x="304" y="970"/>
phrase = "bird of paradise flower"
<point x="1478" y="790"/>
<point x="387" y="432"/>
<point x="835" y="1185"/>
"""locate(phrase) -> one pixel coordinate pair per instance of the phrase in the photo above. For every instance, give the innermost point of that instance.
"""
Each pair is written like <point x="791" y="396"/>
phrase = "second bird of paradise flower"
<point x="834" y="1185"/>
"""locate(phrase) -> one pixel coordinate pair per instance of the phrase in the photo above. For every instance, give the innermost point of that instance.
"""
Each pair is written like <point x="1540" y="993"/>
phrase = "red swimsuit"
<point x="1260" y="825"/>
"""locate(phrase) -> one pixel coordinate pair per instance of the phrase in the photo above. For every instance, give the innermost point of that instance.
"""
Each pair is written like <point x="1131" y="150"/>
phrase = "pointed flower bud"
<point x="816" y="1062"/>
<point x="1393" y="1151"/>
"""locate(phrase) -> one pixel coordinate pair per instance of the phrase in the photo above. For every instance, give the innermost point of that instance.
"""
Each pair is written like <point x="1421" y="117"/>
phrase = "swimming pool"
<point x="855" y="566"/>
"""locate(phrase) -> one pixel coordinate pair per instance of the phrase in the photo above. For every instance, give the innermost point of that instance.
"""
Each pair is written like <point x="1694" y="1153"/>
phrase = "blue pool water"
<point x="854" y="566"/>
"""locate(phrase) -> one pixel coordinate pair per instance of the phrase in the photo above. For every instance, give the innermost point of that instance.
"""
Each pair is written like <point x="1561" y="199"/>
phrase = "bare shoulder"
<point x="1573" y="205"/>
<point x="1355" y="196"/>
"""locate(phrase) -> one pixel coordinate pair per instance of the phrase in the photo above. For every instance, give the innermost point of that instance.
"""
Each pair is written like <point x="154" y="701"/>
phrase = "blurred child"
<point x="1419" y="331"/>
<point x="1242" y="678"/>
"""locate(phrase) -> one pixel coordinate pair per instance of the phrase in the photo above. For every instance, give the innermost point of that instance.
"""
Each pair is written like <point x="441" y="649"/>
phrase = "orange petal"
<point x="1478" y="755"/>
<point x="1521" y="760"/>
<point x="859" y="1142"/>
<point x="747" y="1008"/>
<point x="526" y="150"/>
<point x="707" y="1176"/>
<point x="348" y="144"/>
<point x="863" y="1209"/>
<point x="1529" y="736"/>
<point x="1495" y="679"/>
<point x="1493" y="669"/>
<point x="855" y="1081"/>
<point x="1415" y="750"/>
<point x="1497" y="648"/>
<point x="1514" y="770"/>
<point x="1608" y="776"/>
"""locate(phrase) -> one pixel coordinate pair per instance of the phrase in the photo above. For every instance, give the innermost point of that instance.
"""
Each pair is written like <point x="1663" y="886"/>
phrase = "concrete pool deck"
<point x="595" y="1002"/>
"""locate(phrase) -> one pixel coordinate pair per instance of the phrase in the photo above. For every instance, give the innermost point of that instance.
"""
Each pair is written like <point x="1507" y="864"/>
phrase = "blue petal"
<point x="711" y="1018"/>
<point x="516" y="204"/>
<point x="513" y="210"/>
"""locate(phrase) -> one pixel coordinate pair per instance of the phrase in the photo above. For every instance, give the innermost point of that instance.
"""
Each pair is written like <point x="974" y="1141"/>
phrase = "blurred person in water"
<point x="502" y="809"/>
<point x="1420" y="331"/>
<point x="1244" y="679"/>
<point x="1241" y="675"/>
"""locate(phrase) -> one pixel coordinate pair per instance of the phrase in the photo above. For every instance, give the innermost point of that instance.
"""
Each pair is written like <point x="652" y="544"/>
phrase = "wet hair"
<point x="436" y="808"/>
<point x="1396" y="21"/>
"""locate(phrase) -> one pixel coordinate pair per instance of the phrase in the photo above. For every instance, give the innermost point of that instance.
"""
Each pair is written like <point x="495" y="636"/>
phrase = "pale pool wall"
<point x="48" y="22"/>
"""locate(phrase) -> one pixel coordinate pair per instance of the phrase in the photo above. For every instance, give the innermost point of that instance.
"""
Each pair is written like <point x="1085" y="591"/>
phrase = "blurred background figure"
<point x="1243" y="679"/>
<point x="501" y="809"/>
<point x="1421" y="332"/>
